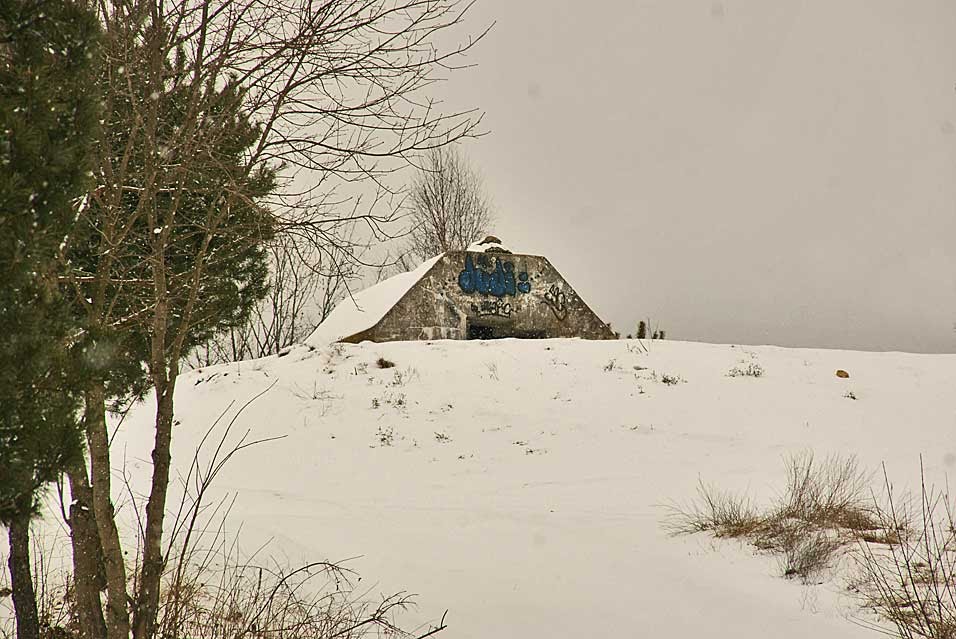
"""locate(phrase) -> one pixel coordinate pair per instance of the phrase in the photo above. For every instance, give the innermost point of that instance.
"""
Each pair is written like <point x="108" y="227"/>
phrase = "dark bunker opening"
<point x="488" y="331"/>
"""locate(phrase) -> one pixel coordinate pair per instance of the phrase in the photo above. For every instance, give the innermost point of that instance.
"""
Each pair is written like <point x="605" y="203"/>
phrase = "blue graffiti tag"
<point x="524" y="286"/>
<point x="499" y="282"/>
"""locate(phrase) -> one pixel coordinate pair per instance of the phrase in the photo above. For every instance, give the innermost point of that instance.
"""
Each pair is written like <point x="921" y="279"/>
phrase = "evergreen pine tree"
<point x="235" y="267"/>
<point x="641" y="330"/>
<point x="47" y="117"/>
<point x="208" y="235"/>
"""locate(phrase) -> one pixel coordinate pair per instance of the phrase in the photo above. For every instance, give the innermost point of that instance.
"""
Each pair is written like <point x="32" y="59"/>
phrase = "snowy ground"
<point x="522" y="484"/>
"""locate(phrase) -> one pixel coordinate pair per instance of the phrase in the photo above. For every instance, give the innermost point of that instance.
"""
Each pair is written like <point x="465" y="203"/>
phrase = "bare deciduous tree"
<point x="304" y="286"/>
<point x="206" y="102"/>
<point x="448" y="206"/>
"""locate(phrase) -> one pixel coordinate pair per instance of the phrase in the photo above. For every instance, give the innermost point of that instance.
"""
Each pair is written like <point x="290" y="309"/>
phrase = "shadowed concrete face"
<point x="470" y="295"/>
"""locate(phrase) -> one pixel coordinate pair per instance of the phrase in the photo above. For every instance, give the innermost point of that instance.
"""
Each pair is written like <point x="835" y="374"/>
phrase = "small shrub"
<point x="400" y="378"/>
<point x="850" y="395"/>
<point x="442" y="438"/>
<point x="823" y="509"/>
<point x="609" y="366"/>
<point x="752" y="369"/>
<point x="807" y="551"/>
<point x="390" y="398"/>
<point x="721" y="513"/>
<point x="381" y="362"/>
<point x="671" y="380"/>
<point x="832" y="494"/>
<point x="385" y="436"/>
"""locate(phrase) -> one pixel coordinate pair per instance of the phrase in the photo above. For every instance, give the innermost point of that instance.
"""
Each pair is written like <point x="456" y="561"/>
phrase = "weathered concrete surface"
<point x="468" y="295"/>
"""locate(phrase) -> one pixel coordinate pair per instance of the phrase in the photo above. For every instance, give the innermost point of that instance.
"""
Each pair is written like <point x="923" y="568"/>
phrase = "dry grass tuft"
<point x="822" y="510"/>
<point x="807" y="551"/>
<point x="721" y="513"/>
<point x="904" y="549"/>
<point x="746" y="369"/>
<point x="833" y="494"/>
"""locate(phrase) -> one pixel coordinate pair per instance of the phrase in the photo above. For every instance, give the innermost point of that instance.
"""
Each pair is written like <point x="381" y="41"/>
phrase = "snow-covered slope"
<point x="521" y="484"/>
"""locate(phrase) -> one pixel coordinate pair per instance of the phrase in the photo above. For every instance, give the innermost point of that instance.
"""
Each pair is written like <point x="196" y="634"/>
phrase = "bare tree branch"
<point x="448" y="206"/>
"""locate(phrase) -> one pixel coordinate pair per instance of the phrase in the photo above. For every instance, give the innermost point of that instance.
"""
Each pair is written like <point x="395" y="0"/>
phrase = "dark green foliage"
<point x="235" y="268"/>
<point x="641" y="330"/>
<point x="47" y="117"/>
<point x="215" y="226"/>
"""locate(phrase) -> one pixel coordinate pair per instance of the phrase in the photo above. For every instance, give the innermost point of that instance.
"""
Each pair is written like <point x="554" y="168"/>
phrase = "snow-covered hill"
<point x="522" y="484"/>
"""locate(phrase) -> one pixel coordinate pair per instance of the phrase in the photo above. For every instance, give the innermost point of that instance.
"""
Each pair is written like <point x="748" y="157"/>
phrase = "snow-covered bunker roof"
<point x="363" y="310"/>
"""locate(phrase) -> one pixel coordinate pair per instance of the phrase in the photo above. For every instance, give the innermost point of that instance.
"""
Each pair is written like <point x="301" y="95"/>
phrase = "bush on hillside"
<point x="904" y="549"/>
<point x="823" y="509"/>
<point x="750" y="369"/>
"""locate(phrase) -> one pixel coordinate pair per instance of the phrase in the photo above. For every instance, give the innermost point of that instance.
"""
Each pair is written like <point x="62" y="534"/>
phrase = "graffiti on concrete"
<point x="498" y="282"/>
<point x="524" y="286"/>
<point x="491" y="308"/>
<point x="557" y="301"/>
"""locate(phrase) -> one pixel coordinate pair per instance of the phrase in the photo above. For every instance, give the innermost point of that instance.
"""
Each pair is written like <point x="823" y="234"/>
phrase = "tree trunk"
<point x="147" y="599"/>
<point x="89" y="573"/>
<point x="21" y="578"/>
<point x="117" y="612"/>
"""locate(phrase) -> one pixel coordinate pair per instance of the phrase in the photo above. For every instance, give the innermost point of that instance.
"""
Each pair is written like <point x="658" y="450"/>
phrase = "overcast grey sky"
<point x="743" y="171"/>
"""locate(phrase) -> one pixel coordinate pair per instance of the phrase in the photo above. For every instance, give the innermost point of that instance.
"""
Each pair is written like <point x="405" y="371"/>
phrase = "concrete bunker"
<point x="484" y="292"/>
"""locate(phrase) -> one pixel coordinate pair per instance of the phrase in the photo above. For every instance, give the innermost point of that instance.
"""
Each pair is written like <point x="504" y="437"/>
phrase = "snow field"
<point x="522" y="484"/>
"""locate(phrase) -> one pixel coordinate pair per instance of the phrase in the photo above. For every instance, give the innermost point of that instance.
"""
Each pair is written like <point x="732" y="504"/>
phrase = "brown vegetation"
<point x="823" y="509"/>
<point x="904" y="549"/>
